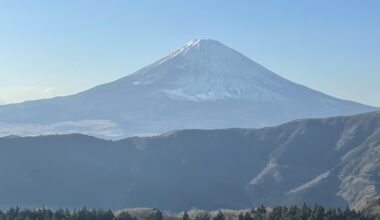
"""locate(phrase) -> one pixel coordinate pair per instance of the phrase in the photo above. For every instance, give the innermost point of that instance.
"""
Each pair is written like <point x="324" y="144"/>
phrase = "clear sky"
<point x="50" y="48"/>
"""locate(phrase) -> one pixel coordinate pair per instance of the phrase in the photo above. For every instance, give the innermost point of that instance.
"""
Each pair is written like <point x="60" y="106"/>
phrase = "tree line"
<point x="305" y="212"/>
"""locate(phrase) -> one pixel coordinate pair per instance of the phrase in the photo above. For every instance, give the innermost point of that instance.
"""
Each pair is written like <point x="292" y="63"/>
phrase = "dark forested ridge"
<point x="316" y="212"/>
<point x="333" y="162"/>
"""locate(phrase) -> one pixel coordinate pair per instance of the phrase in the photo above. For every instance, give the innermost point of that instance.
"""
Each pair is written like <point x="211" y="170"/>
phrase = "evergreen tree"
<point x="125" y="216"/>
<point x="203" y="216"/>
<point x="155" y="215"/>
<point x="247" y="216"/>
<point x="219" y="216"/>
<point x="276" y="213"/>
<point x="318" y="212"/>
<point x="185" y="216"/>
<point x="261" y="210"/>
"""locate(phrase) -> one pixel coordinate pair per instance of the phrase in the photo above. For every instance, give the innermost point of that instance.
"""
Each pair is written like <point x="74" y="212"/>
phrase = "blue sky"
<point x="50" y="48"/>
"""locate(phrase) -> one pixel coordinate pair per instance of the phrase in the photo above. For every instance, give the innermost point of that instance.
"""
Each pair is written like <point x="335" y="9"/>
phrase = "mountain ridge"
<point x="331" y="161"/>
<point x="204" y="84"/>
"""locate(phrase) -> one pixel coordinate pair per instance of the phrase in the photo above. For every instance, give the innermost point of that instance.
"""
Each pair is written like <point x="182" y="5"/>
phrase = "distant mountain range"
<point x="333" y="161"/>
<point x="203" y="84"/>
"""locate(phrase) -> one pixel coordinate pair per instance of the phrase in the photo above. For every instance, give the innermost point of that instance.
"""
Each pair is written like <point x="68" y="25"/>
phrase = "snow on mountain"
<point x="203" y="84"/>
<point x="208" y="71"/>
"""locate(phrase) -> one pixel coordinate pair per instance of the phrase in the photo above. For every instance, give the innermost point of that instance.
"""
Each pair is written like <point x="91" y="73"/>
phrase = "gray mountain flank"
<point x="332" y="161"/>
<point x="202" y="85"/>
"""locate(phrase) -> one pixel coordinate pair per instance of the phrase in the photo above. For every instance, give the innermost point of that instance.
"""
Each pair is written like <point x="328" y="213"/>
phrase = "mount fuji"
<point x="204" y="84"/>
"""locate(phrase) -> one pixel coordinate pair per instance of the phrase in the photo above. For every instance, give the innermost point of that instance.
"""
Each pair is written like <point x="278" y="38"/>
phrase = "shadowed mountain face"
<point x="332" y="161"/>
<point x="204" y="84"/>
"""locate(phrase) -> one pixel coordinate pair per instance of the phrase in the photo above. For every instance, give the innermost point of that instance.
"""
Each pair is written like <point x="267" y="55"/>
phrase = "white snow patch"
<point x="270" y="169"/>
<point x="311" y="183"/>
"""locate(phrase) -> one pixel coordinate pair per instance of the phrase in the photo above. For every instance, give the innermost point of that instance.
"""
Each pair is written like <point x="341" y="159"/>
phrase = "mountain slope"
<point x="333" y="161"/>
<point x="204" y="84"/>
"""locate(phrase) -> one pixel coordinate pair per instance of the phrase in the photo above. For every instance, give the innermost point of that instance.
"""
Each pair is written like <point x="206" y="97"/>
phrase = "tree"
<point x="125" y="216"/>
<point x="261" y="210"/>
<point x="275" y="213"/>
<point x="155" y="215"/>
<point x="219" y="216"/>
<point x="247" y="216"/>
<point x="318" y="212"/>
<point x="203" y="216"/>
<point x="185" y="216"/>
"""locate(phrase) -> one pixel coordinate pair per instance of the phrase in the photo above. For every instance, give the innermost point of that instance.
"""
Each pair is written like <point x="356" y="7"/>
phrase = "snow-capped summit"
<point x="206" y="70"/>
<point x="203" y="84"/>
